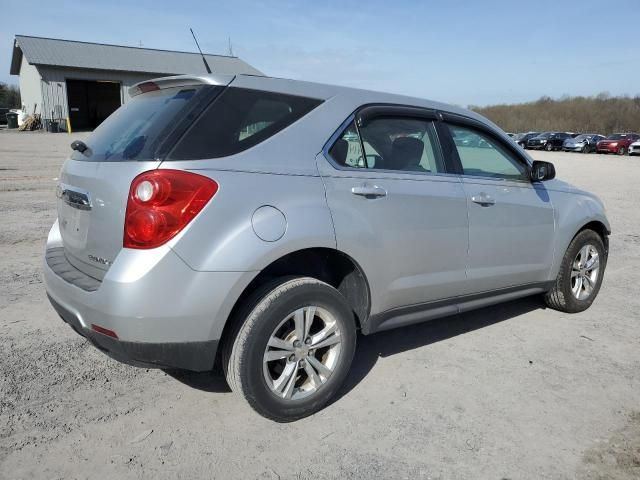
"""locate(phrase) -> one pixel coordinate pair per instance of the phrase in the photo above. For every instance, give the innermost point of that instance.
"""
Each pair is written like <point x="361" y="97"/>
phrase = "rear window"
<point x="136" y="129"/>
<point x="239" y="119"/>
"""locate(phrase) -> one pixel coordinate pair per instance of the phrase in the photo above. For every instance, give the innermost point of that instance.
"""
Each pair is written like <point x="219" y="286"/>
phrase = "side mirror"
<point x="541" y="171"/>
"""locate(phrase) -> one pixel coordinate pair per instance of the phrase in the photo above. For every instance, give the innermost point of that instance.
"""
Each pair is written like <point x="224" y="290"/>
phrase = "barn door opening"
<point x="90" y="102"/>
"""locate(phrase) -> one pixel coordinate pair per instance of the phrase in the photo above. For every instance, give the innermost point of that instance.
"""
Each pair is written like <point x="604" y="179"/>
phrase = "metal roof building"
<point x="86" y="82"/>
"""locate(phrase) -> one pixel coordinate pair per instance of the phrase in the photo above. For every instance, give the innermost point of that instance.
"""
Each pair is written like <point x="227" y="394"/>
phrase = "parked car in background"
<point x="270" y="220"/>
<point x="522" y="141"/>
<point x="617" y="143"/>
<point x="634" y="148"/>
<point x="585" y="143"/>
<point x="548" y="141"/>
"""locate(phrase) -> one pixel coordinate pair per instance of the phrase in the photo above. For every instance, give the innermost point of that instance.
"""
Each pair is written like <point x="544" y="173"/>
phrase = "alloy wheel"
<point x="584" y="272"/>
<point x="302" y="353"/>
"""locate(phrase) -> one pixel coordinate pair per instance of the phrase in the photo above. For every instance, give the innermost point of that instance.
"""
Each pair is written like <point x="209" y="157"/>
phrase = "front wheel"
<point x="581" y="274"/>
<point x="549" y="147"/>
<point x="622" y="151"/>
<point x="293" y="350"/>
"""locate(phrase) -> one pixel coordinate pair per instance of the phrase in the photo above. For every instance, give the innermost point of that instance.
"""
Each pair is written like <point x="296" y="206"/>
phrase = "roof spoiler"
<point x="179" y="81"/>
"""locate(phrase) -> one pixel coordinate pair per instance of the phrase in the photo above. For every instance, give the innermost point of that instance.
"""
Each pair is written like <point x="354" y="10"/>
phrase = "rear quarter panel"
<point x="223" y="238"/>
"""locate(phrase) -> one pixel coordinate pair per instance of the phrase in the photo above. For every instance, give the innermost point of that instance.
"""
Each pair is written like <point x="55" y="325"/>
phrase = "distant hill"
<point x="600" y="114"/>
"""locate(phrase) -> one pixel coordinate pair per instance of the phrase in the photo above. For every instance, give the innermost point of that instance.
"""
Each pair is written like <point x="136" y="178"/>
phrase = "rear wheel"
<point x="293" y="350"/>
<point x="581" y="274"/>
<point x="585" y="149"/>
<point x="549" y="147"/>
<point x="622" y="151"/>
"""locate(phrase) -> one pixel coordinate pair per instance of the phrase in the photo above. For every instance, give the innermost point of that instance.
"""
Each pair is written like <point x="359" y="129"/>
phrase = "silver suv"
<point x="260" y="223"/>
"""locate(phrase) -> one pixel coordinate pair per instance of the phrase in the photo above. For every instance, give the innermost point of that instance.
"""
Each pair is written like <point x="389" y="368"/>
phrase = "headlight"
<point x="614" y="144"/>
<point x="543" y="141"/>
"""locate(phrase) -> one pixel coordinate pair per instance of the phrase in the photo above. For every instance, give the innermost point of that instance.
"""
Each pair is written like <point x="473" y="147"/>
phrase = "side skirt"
<point x="418" y="313"/>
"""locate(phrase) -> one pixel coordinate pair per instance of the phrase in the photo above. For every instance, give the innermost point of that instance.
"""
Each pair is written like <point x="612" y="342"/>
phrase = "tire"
<point x="270" y="312"/>
<point x="585" y="149"/>
<point x="548" y="147"/>
<point x="561" y="296"/>
<point x="622" y="151"/>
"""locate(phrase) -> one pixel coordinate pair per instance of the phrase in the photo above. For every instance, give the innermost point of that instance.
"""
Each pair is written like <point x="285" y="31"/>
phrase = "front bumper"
<point x="164" y="313"/>
<point x="607" y="149"/>
<point x="572" y="148"/>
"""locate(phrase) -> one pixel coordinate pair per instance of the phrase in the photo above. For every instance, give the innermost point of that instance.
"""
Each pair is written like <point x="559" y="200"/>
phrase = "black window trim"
<point x="365" y="113"/>
<point x="467" y="122"/>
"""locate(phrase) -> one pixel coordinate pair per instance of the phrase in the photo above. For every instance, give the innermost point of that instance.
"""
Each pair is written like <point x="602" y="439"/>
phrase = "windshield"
<point x="582" y="138"/>
<point x="135" y="130"/>
<point x="545" y="135"/>
<point x="616" y="136"/>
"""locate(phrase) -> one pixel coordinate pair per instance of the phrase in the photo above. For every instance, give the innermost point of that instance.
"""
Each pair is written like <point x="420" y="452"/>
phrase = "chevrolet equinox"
<point x="260" y="223"/>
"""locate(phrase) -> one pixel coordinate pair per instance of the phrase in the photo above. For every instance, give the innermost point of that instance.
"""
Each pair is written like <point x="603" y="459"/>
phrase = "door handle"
<point x="369" y="191"/>
<point x="483" y="199"/>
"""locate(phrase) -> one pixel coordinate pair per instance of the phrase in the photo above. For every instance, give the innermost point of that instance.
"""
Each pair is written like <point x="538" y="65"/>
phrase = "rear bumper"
<point x="164" y="313"/>
<point x="196" y="356"/>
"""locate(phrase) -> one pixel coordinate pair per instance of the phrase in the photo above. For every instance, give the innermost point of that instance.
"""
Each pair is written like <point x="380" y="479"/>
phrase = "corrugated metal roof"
<point x="69" y="53"/>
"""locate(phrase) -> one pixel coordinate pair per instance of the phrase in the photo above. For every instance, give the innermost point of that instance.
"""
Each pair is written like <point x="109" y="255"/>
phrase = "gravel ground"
<point x="514" y="391"/>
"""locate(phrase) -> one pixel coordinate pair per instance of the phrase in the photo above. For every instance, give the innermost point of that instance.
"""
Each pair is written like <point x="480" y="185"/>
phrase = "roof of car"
<point x="327" y="91"/>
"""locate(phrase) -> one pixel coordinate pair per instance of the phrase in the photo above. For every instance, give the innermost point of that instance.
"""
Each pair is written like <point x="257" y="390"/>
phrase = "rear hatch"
<point x="94" y="184"/>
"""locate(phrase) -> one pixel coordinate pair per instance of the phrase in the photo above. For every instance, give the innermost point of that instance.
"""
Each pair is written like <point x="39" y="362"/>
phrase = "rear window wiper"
<point x="79" y="146"/>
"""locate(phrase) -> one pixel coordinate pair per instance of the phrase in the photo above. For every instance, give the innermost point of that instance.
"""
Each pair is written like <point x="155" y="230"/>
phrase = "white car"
<point x="634" y="148"/>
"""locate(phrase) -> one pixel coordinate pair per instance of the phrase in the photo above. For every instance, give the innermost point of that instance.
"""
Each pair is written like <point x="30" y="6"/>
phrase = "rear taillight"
<point x="161" y="203"/>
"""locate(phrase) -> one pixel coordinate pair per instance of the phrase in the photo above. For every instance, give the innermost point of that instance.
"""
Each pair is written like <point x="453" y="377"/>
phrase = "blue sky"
<point x="473" y="52"/>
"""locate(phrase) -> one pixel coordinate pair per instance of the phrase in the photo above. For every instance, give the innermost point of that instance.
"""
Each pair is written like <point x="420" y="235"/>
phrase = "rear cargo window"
<point x="239" y="119"/>
<point x="135" y="130"/>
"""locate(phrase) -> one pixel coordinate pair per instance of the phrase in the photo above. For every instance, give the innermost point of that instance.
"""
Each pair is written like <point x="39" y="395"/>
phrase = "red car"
<point x="617" y="143"/>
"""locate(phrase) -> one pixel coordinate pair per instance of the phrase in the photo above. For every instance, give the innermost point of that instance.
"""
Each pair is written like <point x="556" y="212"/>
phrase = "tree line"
<point x="602" y="113"/>
<point x="9" y="96"/>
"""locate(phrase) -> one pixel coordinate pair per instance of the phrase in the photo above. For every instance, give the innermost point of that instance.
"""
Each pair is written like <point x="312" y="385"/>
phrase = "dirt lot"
<point x="514" y="391"/>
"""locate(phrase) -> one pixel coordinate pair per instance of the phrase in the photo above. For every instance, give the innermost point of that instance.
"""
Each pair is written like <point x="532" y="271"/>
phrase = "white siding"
<point x="30" y="90"/>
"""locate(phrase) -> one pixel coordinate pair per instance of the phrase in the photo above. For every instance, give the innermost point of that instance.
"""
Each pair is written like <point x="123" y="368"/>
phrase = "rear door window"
<point x="239" y="119"/>
<point x="390" y="143"/>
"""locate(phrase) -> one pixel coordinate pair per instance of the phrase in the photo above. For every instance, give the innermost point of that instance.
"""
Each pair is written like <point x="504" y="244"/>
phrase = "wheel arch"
<point x="600" y="228"/>
<point x="329" y="265"/>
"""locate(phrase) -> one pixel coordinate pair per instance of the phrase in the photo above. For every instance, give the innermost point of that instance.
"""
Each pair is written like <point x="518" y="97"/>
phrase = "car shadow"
<point x="212" y="381"/>
<point x="385" y="344"/>
<point x="391" y="342"/>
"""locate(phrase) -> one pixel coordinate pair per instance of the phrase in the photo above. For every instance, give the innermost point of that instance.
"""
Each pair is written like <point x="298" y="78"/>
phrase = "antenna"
<point x="230" y="47"/>
<point x="206" y="65"/>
